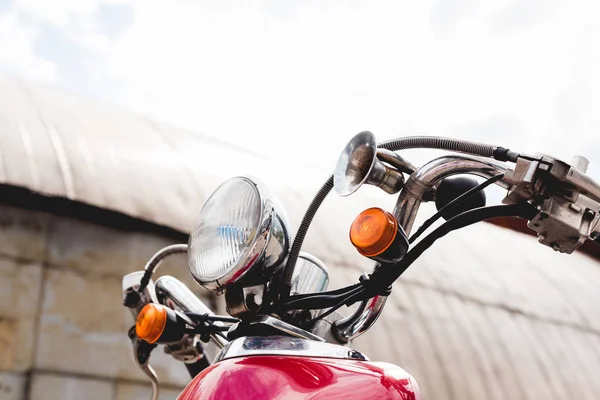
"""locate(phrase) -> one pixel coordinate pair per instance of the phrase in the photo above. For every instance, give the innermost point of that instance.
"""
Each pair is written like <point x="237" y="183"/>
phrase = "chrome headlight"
<point x="239" y="228"/>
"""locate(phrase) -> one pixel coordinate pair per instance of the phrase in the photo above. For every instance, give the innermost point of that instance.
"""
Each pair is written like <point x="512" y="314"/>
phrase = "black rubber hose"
<point x="404" y="143"/>
<point x="317" y="301"/>
<point x="288" y="270"/>
<point x="386" y="274"/>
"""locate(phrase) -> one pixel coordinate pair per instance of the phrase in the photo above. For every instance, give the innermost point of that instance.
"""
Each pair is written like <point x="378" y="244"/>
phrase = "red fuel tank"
<point x="273" y="377"/>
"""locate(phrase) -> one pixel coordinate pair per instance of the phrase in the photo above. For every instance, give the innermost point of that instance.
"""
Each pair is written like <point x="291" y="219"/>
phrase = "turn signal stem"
<point x="377" y="235"/>
<point x="159" y="324"/>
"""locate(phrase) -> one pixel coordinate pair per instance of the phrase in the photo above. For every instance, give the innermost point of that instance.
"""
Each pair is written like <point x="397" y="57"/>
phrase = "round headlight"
<point x="238" y="228"/>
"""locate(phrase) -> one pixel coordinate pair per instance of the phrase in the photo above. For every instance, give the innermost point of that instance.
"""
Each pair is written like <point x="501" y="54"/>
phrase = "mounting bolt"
<point x="575" y="207"/>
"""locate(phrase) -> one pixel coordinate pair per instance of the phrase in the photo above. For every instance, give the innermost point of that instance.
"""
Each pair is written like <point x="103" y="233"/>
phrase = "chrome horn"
<point x="359" y="164"/>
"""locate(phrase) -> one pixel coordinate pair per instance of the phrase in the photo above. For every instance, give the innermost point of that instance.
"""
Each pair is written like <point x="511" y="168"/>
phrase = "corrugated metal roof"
<point x="485" y="313"/>
<point x="64" y="145"/>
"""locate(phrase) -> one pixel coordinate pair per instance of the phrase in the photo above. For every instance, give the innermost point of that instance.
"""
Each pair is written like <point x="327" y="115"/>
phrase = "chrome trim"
<point x="586" y="185"/>
<point x="285" y="346"/>
<point x="277" y="324"/>
<point x="310" y="275"/>
<point x="176" y="295"/>
<point x="358" y="323"/>
<point x="359" y="164"/>
<point x="131" y="283"/>
<point x="395" y="160"/>
<point x="268" y="249"/>
<point x="420" y="183"/>
<point x="423" y="180"/>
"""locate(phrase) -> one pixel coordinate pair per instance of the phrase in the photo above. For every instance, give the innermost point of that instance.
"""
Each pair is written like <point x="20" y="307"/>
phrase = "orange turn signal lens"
<point x="373" y="231"/>
<point x="151" y="322"/>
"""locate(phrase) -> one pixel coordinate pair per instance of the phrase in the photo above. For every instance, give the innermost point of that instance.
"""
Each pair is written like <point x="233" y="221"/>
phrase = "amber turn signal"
<point x="373" y="231"/>
<point x="151" y="322"/>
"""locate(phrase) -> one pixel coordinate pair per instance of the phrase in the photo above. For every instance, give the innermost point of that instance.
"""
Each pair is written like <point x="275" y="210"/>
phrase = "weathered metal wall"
<point x="519" y="324"/>
<point x="63" y="330"/>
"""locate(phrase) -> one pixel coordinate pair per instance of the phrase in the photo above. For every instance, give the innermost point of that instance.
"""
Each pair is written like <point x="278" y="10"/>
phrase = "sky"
<point x="298" y="79"/>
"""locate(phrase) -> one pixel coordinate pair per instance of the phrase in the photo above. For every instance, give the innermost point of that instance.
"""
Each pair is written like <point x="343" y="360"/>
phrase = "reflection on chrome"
<point x="285" y="345"/>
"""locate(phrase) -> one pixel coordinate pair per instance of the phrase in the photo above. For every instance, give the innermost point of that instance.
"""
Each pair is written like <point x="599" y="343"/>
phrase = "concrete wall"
<point x="63" y="330"/>
<point x="521" y="323"/>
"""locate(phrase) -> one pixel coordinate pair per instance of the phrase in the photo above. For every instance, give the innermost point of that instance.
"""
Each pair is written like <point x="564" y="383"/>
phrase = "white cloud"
<point x="312" y="74"/>
<point x="308" y="75"/>
<point x="77" y="19"/>
<point x="16" y="50"/>
<point x="59" y="13"/>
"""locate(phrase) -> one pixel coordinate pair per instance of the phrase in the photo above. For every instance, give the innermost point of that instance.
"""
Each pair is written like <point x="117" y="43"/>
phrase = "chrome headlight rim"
<point x="253" y="252"/>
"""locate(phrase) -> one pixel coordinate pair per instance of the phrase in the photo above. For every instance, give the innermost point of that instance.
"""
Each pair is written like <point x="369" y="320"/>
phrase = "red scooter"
<point x="284" y="337"/>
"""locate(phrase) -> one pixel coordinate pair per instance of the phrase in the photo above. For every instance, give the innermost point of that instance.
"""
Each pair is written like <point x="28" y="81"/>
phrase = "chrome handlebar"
<point x="174" y="294"/>
<point x="564" y="221"/>
<point x="418" y="188"/>
<point x="421" y="183"/>
<point x="360" y="321"/>
<point x="578" y="216"/>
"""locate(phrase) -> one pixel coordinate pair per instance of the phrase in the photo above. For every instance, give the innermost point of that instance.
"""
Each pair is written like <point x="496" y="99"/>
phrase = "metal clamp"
<point x="569" y="199"/>
<point x="176" y="295"/>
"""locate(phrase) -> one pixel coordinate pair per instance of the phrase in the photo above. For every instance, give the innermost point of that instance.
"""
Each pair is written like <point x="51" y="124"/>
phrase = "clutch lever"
<point x="141" y="355"/>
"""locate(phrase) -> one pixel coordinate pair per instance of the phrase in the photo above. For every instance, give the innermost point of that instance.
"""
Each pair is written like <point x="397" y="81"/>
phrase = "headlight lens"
<point x="232" y="232"/>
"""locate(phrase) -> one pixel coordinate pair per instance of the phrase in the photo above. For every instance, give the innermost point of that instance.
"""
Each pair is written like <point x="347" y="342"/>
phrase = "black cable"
<point x="403" y="143"/>
<point x="333" y="292"/>
<point x="319" y="300"/>
<point x="196" y="317"/>
<point x="383" y="277"/>
<point x="453" y="204"/>
<point x="288" y="269"/>
<point x="386" y="275"/>
<point x="348" y="300"/>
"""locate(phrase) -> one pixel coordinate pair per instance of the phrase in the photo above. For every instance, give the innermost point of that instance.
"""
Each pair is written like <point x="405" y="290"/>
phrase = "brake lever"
<point x="141" y="356"/>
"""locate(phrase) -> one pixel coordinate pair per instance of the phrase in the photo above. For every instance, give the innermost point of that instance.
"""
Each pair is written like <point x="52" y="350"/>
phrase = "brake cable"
<point x="453" y="204"/>
<point x="402" y="143"/>
<point x="384" y="276"/>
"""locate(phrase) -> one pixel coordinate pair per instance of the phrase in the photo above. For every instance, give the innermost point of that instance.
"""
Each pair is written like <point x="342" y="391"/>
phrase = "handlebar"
<point x="174" y="294"/>
<point x="421" y="183"/>
<point x="563" y="207"/>
<point x="563" y="226"/>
